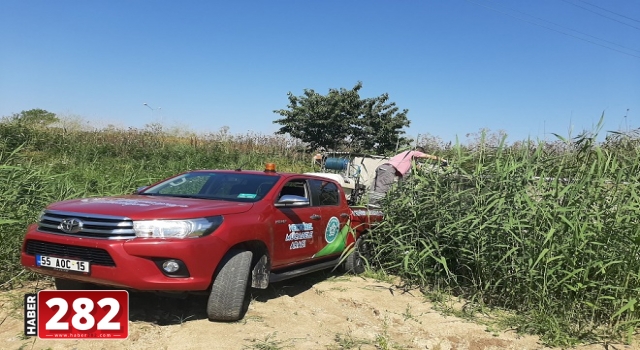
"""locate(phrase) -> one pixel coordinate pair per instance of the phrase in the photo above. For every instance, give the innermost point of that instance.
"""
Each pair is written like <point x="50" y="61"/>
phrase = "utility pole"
<point x="153" y="110"/>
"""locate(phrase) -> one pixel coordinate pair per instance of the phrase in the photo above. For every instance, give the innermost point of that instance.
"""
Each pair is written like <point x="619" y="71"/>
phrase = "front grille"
<point x="92" y="226"/>
<point x="95" y="256"/>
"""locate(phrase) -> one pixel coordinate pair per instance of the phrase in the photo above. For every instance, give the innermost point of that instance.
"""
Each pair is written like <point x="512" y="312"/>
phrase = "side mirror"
<point x="289" y="200"/>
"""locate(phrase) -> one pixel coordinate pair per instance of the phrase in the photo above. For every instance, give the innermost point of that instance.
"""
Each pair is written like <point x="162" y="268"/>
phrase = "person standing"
<point x="397" y="167"/>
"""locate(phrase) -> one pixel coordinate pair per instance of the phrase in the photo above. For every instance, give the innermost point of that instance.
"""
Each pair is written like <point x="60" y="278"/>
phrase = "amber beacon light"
<point x="270" y="168"/>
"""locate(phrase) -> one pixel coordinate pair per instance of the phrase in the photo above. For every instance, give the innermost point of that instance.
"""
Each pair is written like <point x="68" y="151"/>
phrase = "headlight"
<point x="176" y="228"/>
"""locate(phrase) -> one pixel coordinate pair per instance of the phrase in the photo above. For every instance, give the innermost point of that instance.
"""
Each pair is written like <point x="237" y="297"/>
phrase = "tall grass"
<point x="552" y="235"/>
<point x="26" y="189"/>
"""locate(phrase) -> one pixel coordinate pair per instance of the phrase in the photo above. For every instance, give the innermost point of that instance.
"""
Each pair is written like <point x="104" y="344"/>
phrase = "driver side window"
<point x="295" y="188"/>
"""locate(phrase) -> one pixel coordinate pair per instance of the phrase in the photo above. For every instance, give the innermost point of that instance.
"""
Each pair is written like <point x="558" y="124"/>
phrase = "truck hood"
<point x="139" y="207"/>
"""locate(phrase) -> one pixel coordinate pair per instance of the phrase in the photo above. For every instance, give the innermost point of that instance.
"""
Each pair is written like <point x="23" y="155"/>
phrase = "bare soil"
<point x="320" y="311"/>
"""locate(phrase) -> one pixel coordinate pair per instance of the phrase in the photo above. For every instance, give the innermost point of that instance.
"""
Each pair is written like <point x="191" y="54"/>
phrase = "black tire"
<point x="229" y="300"/>
<point x="356" y="261"/>
<point x="65" y="284"/>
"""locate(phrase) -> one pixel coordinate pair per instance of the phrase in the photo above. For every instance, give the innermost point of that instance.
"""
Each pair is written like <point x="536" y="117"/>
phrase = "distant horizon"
<point x="77" y="122"/>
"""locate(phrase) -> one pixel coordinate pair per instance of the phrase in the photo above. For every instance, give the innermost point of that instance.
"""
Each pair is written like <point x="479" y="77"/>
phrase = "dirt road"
<point x="321" y="311"/>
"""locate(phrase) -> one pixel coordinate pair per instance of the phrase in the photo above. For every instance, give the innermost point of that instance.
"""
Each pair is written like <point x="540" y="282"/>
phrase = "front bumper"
<point x="133" y="262"/>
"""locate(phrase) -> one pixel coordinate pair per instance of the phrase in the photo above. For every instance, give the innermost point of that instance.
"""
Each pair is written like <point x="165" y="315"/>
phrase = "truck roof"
<point x="258" y="172"/>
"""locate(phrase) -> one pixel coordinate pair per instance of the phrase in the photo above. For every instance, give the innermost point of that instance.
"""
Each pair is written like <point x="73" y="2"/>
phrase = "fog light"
<point x="170" y="266"/>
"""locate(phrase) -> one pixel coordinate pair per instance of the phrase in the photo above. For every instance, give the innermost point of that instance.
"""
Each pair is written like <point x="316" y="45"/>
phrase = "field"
<point x="545" y="233"/>
<point x="322" y="311"/>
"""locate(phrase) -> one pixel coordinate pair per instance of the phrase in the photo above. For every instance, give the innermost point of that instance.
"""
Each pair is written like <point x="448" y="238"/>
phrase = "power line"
<point x="600" y="14"/>
<point x="604" y="9"/>
<point x="559" y="31"/>
<point x="577" y="31"/>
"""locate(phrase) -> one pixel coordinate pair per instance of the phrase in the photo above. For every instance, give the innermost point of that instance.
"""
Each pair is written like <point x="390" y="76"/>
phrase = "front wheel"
<point x="228" y="300"/>
<point x="356" y="261"/>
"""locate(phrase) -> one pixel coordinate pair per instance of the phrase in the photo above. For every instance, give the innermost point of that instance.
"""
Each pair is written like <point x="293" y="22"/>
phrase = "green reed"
<point x="551" y="234"/>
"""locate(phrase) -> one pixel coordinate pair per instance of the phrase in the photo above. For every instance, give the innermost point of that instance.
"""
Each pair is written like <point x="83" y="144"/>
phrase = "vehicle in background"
<point x="355" y="172"/>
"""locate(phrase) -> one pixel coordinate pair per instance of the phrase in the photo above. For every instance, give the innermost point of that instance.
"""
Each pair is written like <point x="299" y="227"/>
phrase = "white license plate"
<point x="62" y="264"/>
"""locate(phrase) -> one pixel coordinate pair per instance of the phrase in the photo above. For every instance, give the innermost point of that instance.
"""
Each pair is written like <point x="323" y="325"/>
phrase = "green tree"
<point x="342" y="120"/>
<point x="35" y="117"/>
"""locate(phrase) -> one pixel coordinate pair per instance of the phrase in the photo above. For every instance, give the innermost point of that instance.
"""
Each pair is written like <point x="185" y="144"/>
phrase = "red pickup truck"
<point x="213" y="231"/>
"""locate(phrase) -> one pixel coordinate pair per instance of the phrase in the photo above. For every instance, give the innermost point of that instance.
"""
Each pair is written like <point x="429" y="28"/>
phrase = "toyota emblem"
<point x="71" y="225"/>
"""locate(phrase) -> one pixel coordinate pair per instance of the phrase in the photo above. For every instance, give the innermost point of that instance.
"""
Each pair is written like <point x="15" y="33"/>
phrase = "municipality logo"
<point x="331" y="232"/>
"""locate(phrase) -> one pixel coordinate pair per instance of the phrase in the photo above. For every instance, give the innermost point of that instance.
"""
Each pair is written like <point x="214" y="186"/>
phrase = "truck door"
<point x="335" y="217"/>
<point x="297" y="228"/>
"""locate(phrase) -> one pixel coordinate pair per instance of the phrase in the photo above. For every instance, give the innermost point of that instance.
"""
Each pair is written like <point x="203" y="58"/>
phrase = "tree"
<point x="35" y="117"/>
<point x="341" y="120"/>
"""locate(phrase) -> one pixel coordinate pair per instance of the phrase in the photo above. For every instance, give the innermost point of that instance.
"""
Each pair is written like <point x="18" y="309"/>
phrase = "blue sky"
<point x="529" y="68"/>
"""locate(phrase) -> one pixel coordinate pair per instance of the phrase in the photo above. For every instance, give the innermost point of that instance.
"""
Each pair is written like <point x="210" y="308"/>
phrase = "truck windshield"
<point x="240" y="187"/>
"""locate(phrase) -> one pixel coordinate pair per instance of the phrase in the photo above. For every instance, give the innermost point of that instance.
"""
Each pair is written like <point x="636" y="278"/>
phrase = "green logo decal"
<point x="339" y="240"/>
<point x="331" y="232"/>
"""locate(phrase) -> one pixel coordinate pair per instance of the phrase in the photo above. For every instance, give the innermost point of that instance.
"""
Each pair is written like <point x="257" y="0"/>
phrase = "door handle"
<point x="315" y="217"/>
<point x="344" y="215"/>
